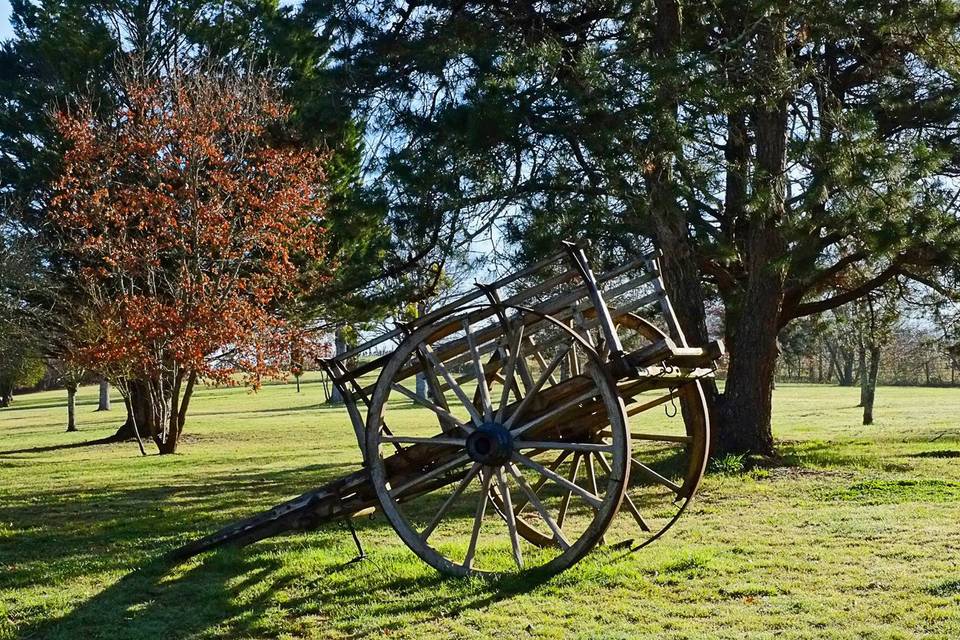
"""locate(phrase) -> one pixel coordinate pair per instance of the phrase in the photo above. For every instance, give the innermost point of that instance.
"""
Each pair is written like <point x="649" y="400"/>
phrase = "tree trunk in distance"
<point x="846" y="379"/>
<point x="340" y="346"/>
<point x="422" y="376"/>
<point x="864" y="379"/>
<point x="140" y="423"/>
<point x="871" y="387"/>
<point x="326" y="387"/>
<point x="71" y="408"/>
<point x="6" y="395"/>
<point x="104" y="403"/>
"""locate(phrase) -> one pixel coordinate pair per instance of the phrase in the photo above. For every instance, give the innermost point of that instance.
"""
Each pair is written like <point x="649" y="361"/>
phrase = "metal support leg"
<point x="361" y="554"/>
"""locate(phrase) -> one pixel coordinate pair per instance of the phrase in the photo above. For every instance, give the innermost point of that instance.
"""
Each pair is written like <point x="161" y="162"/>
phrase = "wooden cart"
<point x="522" y="452"/>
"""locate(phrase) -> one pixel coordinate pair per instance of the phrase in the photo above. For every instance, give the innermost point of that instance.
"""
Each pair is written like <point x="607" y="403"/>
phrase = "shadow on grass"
<point x="831" y="455"/>
<point x="61" y="537"/>
<point x="233" y="593"/>
<point x="61" y="534"/>
<point x="947" y="453"/>
<point x="60" y="447"/>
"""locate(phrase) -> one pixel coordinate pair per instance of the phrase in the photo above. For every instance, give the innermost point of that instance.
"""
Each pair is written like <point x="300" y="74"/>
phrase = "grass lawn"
<point x="859" y="537"/>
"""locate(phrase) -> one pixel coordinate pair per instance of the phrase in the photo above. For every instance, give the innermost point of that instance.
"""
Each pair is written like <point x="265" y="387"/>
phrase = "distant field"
<point x="858" y="537"/>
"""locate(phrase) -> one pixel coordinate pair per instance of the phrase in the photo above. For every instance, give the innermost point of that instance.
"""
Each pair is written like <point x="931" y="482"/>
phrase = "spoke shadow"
<point x="239" y="594"/>
<point x="274" y="587"/>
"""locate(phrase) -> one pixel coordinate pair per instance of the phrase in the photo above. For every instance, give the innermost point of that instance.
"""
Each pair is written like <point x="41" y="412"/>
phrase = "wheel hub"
<point x="491" y="444"/>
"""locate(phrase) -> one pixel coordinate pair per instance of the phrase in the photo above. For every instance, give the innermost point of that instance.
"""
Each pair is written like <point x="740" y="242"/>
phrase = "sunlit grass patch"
<point x="854" y="537"/>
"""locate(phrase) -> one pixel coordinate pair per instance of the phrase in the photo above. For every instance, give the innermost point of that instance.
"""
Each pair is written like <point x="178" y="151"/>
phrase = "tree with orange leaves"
<point x="188" y="218"/>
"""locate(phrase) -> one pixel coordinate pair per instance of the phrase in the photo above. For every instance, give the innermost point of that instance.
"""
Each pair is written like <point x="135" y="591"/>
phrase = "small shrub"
<point x="727" y="465"/>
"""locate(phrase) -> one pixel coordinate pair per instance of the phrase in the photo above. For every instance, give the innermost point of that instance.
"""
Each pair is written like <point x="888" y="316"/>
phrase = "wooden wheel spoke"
<point x="467" y="479"/>
<point x="544" y="376"/>
<point x="657" y="437"/>
<point x="509" y="371"/>
<point x="652" y="475"/>
<point x="523" y="502"/>
<point x="554" y="412"/>
<point x="429" y="475"/>
<point x="574" y="361"/>
<point x="535" y="501"/>
<point x="591" y="499"/>
<point x="637" y="516"/>
<point x="654" y="437"/>
<point x="562" y="446"/>
<point x="434" y="389"/>
<point x="478" y="519"/>
<point x="631" y="507"/>
<point x="572" y="477"/>
<point x="509" y="517"/>
<point x="440" y="411"/>
<point x="592" y="479"/>
<point x="457" y="389"/>
<point x="438" y="440"/>
<point x="542" y="362"/>
<point x="482" y="386"/>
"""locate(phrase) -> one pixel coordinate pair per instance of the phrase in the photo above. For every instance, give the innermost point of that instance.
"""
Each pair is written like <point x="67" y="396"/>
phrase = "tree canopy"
<point x="786" y="157"/>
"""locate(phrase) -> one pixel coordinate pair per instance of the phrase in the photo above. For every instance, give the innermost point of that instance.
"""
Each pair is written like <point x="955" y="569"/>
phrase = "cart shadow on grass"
<point x="240" y="592"/>
<point x="229" y="591"/>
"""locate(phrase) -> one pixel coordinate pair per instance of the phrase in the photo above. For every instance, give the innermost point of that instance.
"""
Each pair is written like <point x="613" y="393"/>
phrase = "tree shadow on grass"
<point x="238" y="593"/>
<point x="60" y="447"/>
<point x="939" y="453"/>
<point x="61" y="533"/>
<point x="64" y="539"/>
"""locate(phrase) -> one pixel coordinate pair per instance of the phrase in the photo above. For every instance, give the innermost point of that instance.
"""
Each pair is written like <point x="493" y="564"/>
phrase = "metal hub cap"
<point x="491" y="444"/>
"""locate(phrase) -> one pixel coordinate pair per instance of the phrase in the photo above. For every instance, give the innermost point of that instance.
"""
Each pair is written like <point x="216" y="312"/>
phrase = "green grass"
<point x="857" y="537"/>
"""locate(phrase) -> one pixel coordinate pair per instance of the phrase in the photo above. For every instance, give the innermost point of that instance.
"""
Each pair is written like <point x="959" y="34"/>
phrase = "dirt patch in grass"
<point x="797" y="473"/>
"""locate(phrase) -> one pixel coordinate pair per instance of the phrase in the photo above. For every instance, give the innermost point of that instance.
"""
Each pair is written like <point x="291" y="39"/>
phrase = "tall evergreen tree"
<point x="774" y="151"/>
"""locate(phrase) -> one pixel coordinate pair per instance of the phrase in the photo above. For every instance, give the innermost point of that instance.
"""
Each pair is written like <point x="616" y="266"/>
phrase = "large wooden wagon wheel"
<point x="492" y="493"/>
<point x="669" y="437"/>
<point x="669" y="442"/>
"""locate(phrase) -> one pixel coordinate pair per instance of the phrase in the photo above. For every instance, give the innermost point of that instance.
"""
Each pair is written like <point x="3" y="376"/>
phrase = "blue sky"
<point x="5" y="19"/>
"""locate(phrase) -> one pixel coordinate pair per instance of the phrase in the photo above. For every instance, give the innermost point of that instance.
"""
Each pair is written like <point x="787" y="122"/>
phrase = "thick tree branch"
<point x="840" y="299"/>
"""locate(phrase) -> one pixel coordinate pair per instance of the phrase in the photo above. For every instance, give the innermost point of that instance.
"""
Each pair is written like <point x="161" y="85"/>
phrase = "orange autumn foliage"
<point x="185" y="215"/>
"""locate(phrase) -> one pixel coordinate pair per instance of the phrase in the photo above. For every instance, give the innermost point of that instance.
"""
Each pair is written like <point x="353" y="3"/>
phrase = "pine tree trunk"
<point x="745" y="408"/>
<point x="104" y="403"/>
<point x="745" y="411"/>
<point x="71" y="408"/>
<point x="678" y="263"/>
